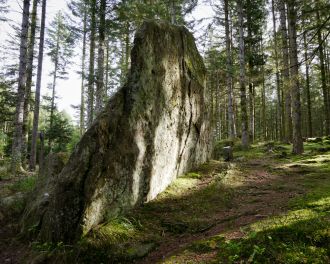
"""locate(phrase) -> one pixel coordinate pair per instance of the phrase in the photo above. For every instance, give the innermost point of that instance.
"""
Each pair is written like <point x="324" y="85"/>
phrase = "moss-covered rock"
<point x="152" y="130"/>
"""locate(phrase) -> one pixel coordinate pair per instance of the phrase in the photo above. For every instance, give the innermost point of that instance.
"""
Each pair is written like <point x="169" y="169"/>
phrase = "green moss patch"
<point x="300" y="235"/>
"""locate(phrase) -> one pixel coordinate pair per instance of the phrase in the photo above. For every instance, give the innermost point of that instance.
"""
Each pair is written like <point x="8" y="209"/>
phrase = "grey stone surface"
<point x="152" y="130"/>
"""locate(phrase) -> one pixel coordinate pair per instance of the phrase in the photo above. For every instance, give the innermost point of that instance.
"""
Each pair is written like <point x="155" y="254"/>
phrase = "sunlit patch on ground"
<point x="262" y="207"/>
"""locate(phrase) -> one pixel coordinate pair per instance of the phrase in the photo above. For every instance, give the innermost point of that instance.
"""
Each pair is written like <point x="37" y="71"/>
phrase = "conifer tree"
<point x="244" y="115"/>
<point x="29" y="71"/>
<point x="16" y="156"/>
<point x="33" y="154"/>
<point x="298" y="147"/>
<point x="60" y="44"/>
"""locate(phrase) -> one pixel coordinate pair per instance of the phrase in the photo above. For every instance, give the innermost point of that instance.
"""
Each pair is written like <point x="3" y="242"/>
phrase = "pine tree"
<point x="83" y="61"/>
<point x="278" y="88"/>
<point x="285" y="73"/>
<point x="99" y="95"/>
<point x="323" y="75"/>
<point x="60" y="44"/>
<point x="33" y="154"/>
<point x="298" y="146"/>
<point x="307" y="87"/>
<point x="77" y="8"/>
<point x="91" y="81"/>
<point x="29" y="71"/>
<point x="16" y="157"/>
<point x="244" y="115"/>
<point x="229" y="78"/>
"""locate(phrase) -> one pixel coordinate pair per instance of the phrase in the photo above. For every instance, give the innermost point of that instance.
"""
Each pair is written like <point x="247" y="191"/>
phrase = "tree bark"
<point x="263" y="96"/>
<point x="244" y="116"/>
<point x="83" y="59"/>
<point x="250" y="74"/>
<point x="16" y="158"/>
<point x="229" y="78"/>
<point x="278" y="88"/>
<point x="90" y="100"/>
<point x="29" y="72"/>
<point x="173" y="12"/>
<point x="307" y="87"/>
<point x="100" y="71"/>
<point x="286" y="75"/>
<point x="107" y="68"/>
<point x="297" y="141"/>
<point x="33" y="155"/>
<point x="52" y="106"/>
<point x="323" y="78"/>
<point x="218" y="106"/>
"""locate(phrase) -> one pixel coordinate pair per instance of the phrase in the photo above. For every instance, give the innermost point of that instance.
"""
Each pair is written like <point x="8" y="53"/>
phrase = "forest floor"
<point x="266" y="206"/>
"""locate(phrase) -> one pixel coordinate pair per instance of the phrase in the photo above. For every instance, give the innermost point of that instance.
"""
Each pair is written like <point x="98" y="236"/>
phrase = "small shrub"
<point x="24" y="185"/>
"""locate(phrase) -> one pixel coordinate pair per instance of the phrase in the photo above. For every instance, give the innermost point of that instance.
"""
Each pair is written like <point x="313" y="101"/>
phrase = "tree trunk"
<point x="263" y="98"/>
<point x="323" y="79"/>
<point x="250" y="74"/>
<point x="298" y="146"/>
<point x="83" y="59"/>
<point x="173" y="11"/>
<point x="308" y="95"/>
<point x="127" y="48"/>
<point x="33" y="155"/>
<point x="52" y="106"/>
<point x="286" y="75"/>
<point x="278" y="88"/>
<point x="229" y="78"/>
<point x="218" y="105"/>
<point x="29" y="72"/>
<point x="107" y="68"/>
<point x="90" y="100"/>
<point x="16" y="158"/>
<point x="100" y="71"/>
<point x="235" y="111"/>
<point x="244" y="116"/>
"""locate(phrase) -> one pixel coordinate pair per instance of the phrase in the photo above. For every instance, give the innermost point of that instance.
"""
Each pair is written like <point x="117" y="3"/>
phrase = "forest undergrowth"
<point x="265" y="206"/>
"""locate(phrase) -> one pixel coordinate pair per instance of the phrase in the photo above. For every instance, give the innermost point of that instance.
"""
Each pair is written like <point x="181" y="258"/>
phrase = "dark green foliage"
<point x="61" y="133"/>
<point x="7" y="108"/>
<point x="7" y="102"/>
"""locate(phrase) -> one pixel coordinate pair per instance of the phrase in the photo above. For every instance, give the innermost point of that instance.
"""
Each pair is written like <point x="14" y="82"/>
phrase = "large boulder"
<point x="153" y="129"/>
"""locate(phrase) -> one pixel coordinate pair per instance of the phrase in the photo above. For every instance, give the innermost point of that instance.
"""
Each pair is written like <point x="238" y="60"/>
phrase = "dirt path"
<point x="261" y="193"/>
<point x="256" y="189"/>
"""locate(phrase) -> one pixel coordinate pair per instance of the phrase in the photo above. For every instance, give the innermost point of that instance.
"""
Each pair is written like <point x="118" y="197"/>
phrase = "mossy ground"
<point x="299" y="234"/>
<point x="263" y="207"/>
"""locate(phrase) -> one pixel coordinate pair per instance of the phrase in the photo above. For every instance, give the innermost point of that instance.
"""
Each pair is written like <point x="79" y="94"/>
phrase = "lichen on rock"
<point x="155" y="128"/>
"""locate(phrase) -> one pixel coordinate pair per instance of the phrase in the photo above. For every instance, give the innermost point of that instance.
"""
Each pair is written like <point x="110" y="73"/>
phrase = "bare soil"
<point x="261" y="194"/>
